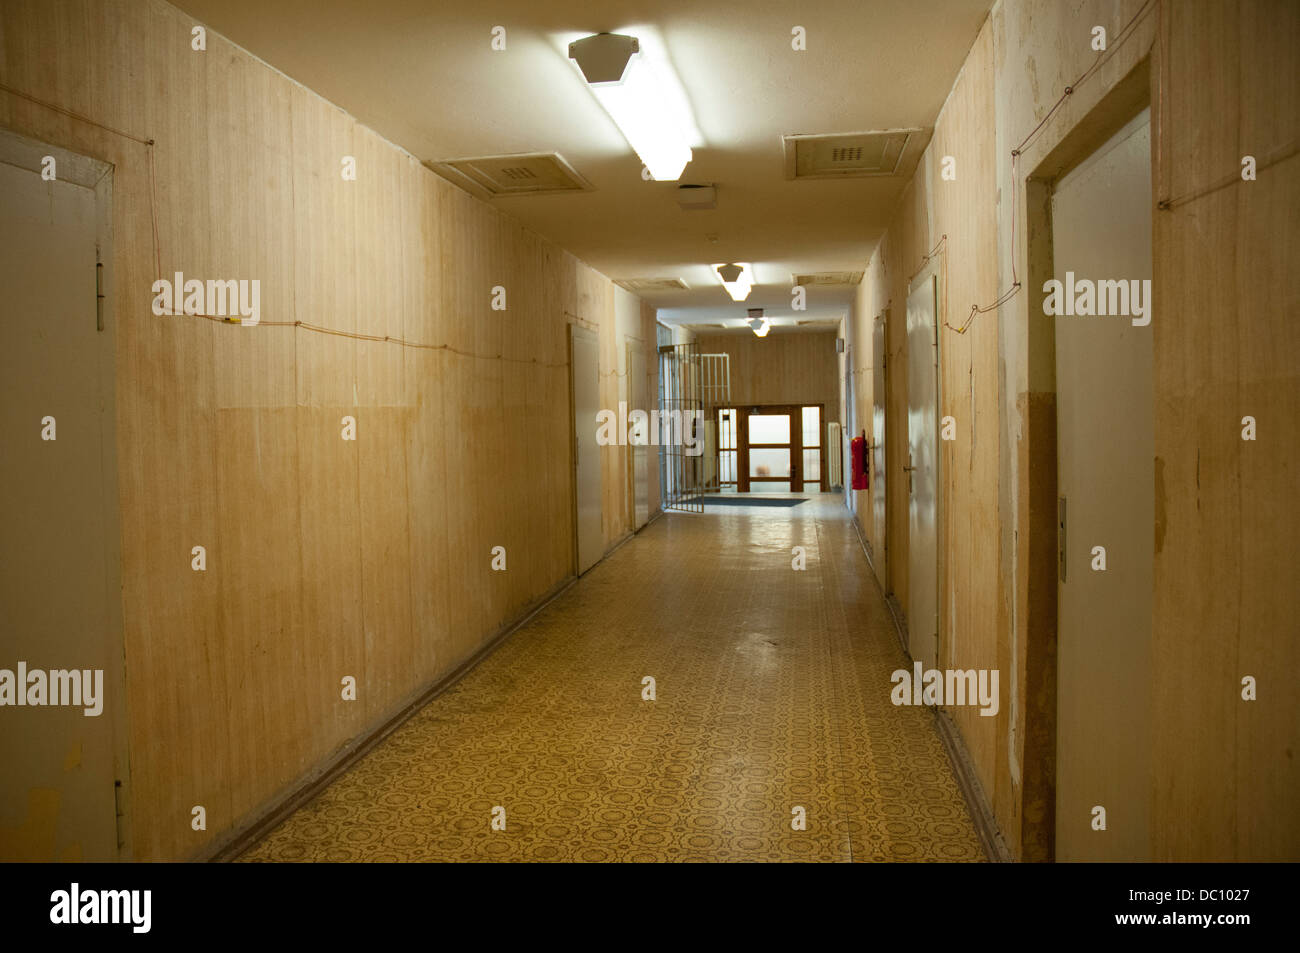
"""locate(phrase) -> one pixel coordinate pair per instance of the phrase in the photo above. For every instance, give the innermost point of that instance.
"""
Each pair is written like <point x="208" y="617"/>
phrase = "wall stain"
<point x="1162" y="520"/>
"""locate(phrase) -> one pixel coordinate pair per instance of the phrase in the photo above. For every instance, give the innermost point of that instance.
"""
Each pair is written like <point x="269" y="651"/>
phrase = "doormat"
<point x="742" y="500"/>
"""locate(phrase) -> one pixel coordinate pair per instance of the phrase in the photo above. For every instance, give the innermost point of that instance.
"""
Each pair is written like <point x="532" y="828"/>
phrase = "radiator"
<point x="834" y="468"/>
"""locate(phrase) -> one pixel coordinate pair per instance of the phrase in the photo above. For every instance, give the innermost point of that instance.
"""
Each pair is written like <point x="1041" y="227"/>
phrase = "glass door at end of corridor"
<point x="771" y="464"/>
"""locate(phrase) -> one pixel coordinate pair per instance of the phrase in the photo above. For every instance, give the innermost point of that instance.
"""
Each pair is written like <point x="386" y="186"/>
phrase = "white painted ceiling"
<point x="423" y="74"/>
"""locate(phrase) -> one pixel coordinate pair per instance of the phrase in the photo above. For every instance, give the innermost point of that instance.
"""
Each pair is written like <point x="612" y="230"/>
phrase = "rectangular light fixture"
<point x="737" y="278"/>
<point x="626" y="83"/>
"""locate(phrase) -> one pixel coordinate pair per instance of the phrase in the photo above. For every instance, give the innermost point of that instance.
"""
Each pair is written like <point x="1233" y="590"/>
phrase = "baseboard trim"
<point x="963" y="768"/>
<point x="977" y="802"/>
<point x="900" y="624"/>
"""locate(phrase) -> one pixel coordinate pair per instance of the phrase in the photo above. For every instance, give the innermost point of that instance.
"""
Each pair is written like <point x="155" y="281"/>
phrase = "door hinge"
<point x="119" y="812"/>
<point x="1060" y="537"/>
<point x="99" y="296"/>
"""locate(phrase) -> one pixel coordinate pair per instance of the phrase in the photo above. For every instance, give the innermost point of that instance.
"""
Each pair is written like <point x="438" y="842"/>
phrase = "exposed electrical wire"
<point x="157" y="246"/>
<point x="1124" y="34"/>
<point x="1232" y="178"/>
<point x="72" y="115"/>
<point x="380" y="339"/>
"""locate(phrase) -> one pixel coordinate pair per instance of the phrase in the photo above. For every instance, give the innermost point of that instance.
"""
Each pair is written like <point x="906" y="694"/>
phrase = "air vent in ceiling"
<point x="851" y="154"/>
<point x="693" y="198"/>
<point x="534" y="173"/>
<point x="646" y="285"/>
<point x="824" y="278"/>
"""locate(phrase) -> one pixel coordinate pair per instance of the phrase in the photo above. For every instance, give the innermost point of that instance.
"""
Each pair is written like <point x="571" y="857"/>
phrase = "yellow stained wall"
<point x="326" y="558"/>
<point x="931" y="208"/>
<point x="781" y="368"/>
<point x="1225" y="83"/>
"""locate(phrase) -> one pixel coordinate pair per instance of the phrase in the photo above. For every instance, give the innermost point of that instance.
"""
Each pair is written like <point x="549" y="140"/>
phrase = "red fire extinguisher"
<point x="858" y="448"/>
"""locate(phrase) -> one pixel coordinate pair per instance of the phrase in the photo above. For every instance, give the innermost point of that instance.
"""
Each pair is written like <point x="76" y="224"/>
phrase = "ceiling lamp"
<point x="757" y="323"/>
<point x="737" y="278"/>
<point x="629" y="88"/>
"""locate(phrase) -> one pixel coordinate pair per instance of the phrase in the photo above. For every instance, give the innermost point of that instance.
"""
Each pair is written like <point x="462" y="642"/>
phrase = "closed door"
<point x="878" y="442"/>
<point x="58" y="551"/>
<point x="922" y="470"/>
<point x="585" y="368"/>
<point x="1101" y="231"/>
<point x="771" y="440"/>
<point x="811" y="449"/>
<point x="639" y="465"/>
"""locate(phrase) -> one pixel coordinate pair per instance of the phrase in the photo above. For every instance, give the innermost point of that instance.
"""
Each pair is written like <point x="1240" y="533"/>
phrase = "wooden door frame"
<point x="719" y="449"/>
<point x="796" y="443"/>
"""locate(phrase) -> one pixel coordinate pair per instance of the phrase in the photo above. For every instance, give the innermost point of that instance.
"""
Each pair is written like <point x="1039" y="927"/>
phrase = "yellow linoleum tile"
<point x="772" y="691"/>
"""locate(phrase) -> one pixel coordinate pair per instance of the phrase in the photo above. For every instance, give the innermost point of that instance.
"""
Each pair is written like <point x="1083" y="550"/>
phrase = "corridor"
<point x="698" y="431"/>
<point x="772" y="692"/>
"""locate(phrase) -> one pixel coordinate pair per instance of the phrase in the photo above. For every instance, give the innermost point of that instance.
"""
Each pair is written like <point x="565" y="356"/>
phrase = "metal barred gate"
<point x="681" y="428"/>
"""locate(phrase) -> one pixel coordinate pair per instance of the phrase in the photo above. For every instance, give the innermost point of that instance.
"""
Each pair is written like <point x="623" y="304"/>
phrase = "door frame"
<point x="878" y="460"/>
<point x="574" y="330"/>
<point x="1037" y="548"/>
<point x="935" y="269"/>
<point x="97" y="175"/>
<point x="795" y="412"/>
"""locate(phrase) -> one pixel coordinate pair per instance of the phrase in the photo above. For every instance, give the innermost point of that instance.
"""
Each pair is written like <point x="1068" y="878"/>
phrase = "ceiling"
<point x="424" y="75"/>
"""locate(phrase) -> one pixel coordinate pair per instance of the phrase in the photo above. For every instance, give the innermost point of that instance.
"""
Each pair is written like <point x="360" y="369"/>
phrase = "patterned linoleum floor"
<point x="772" y="693"/>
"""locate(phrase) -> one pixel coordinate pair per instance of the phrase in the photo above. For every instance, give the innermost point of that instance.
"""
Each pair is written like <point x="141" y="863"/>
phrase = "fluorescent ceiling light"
<point x="632" y="89"/>
<point x="737" y="278"/>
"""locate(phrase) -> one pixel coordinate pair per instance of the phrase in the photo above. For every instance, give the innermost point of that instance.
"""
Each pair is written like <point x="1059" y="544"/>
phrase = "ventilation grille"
<point x="850" y="155"/>
<point x="826" y="278"/>
<point x="644" y="285"/>
<point x="536" y="173"/>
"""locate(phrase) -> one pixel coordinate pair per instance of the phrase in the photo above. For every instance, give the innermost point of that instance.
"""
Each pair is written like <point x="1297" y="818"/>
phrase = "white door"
<point x="58" y="566"/>
<point x="1101" y="230"/>
<point x="640" y="461"/>
<point x="585" y="367"/>
<point x="878" y="444"/>
<point x="922" y="470"/>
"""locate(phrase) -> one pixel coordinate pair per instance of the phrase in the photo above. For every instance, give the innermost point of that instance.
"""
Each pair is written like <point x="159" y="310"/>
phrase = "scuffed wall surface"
<point x="326" y="558"/>
<point x="1225" y="82"/>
